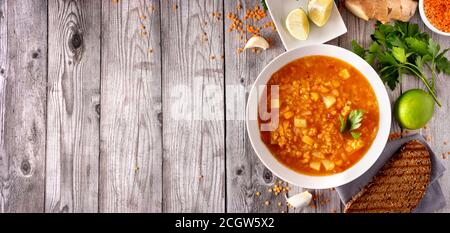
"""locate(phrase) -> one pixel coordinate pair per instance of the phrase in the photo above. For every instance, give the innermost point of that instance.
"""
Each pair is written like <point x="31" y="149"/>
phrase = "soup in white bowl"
<point x="318" y="116"/>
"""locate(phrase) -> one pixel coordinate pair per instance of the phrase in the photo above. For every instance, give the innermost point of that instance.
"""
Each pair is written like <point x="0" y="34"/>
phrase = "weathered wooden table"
<point x="138" y="106"/>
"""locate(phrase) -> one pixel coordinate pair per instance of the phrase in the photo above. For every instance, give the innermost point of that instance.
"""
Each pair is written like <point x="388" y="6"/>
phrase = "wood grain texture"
<point x="141" y="113"/>
<point x="72" y="100"/>
<point x="193" y="116"/>
<point x="23" y="96"/>
<point x="130" y="129"/>
<point x="3" y="65"/>
<point x="246" y="175"/>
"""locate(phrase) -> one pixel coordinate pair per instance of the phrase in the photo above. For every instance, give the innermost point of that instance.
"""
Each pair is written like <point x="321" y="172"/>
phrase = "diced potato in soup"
<point x="315" y="165"/>
<point x="329" y="101"/>
<point x="328" y="164"/>
<point x="300" y="122"/>
<point x="344" y="74"/>
<point x="314" y="92"/>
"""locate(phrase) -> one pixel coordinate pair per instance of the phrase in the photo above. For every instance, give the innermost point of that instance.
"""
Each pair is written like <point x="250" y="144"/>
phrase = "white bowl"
<point x="319" y="182"/>
<point x="427" y="22"/>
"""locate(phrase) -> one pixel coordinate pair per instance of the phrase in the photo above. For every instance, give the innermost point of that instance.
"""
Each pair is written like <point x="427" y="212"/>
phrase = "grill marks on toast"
<point x="399" y="185"/>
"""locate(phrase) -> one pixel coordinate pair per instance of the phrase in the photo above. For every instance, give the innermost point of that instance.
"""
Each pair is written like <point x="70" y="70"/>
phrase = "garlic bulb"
<point x="300" y="200"/>
<point x="257" y="42"/>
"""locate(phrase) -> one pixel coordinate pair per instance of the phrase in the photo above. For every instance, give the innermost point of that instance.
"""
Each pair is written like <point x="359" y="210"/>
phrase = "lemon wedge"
<point x="320" y="11"/>
<point x="257" y="42"/>
<point x="297" y="24"/>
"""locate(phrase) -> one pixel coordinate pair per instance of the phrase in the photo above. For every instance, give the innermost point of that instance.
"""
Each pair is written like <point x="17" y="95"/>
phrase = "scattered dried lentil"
<point x="394" y="135"/>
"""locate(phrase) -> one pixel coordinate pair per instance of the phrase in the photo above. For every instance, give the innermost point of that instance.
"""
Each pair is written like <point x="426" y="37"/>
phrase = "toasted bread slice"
<point x="399" y="185"/>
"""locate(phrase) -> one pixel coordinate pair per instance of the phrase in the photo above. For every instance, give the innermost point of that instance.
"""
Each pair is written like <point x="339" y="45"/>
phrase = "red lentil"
<point x="438" y="13"/>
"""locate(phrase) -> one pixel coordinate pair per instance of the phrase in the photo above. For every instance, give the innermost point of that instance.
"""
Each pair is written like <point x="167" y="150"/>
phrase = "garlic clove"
<point x="257" y="42"/>
<point x="300" y="200"/>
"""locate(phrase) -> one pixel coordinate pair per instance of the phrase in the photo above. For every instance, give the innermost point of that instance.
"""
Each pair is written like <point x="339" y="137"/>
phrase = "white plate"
<point x="279" y="9"/>
<point x="319" y="182"/>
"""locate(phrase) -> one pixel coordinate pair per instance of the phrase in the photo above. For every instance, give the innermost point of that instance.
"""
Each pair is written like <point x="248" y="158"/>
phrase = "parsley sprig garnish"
<point x="403" y="49"/>
<point x="264" y="4"/>
<point x="352" y="123"/>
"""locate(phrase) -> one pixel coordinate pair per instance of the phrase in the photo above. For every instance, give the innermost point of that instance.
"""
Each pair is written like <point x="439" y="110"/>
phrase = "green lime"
<point x="414" y="109"/>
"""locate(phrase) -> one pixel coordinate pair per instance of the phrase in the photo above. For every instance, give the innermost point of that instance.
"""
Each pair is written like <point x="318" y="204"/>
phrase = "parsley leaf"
<point x="413" y="29"/>
<point x="386" y="58"/>
<point x="355" y="118"/>
<point x="417" y="46"/>
<point x="264" y="4"/>
<point x="356" y="48"/>
<point x="397" y="41"/>
<point x="391" y="76"/>
<point x="343" y="124"/>
<point x="371" y="55"/>
<point x="353" y="122"/>
<point x="355" y="135"/>
<point x="433" y="48"/>
<point x="442" y="63"/>
<point x="399" y="54"/>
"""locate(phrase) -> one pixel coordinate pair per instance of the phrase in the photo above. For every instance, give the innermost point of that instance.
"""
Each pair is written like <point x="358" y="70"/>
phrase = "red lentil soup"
<point x="314" y="94"/>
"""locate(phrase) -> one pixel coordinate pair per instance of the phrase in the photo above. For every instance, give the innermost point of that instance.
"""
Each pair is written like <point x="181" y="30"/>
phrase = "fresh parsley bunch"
<point x="403" y="49"/>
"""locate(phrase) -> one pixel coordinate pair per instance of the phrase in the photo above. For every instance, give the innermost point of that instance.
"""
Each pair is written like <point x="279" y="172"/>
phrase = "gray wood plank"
<point x="246" y="175"/>
<point x="23" y="95"/>
<point x="193" y="104"/>
<point x="73" y="100"/>
<point x="439" y="129"/>
<point x="130" y="129"/>
<point x="3" y="65"/>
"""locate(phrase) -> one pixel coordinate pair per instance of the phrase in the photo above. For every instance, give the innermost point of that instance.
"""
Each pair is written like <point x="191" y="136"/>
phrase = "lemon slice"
<point x="320" y="11"/>
<point x="297" y="24"/>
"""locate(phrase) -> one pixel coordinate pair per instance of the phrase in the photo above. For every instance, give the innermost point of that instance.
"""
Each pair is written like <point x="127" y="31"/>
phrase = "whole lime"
<point x="414" y="109"/>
